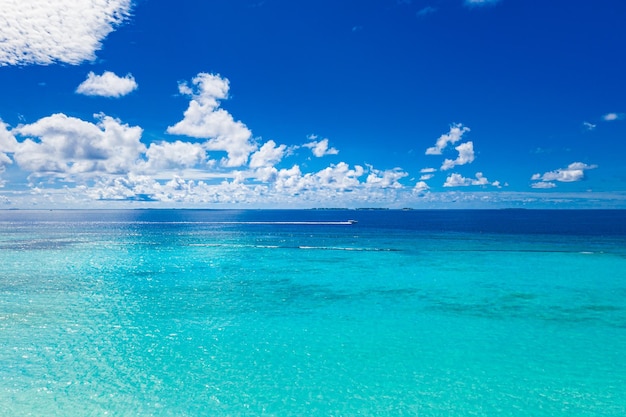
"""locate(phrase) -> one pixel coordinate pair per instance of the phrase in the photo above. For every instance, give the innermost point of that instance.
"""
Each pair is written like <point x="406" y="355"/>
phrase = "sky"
<point x="310" y="104"/>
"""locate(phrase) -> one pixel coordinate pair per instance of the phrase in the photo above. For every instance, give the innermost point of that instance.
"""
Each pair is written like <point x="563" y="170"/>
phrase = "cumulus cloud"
<point x="63" y="145"/>
<point x="455" y="134"/>
<point x="339" y="176"/>
<point x="269" y="155"/>
<point x="204" y="119"/>
<point x="421" y="187"/>
<point x="336" y="178"/>
<point x="332" y="185"/>
<point x="610" y="117"/>
<point x="290" y="180"/>
<point x="466" y="156"/>
<point x="385" y="179"/>
<point x="574" y="172"/>
<point x="320" y="148"/>
<point x="128" y="188"/>
<point x="69" y="31"/>
<point x="174" y="155"/>
<point x="107" y="161"/>
<point x="457" y="180"/>
<point x="8" y="143"/>
<point x="107" y="85"/>
<point x="4" y="161"/>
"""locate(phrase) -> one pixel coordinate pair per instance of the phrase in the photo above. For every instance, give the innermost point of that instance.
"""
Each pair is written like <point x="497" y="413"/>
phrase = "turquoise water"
<point x="228" y="313"/>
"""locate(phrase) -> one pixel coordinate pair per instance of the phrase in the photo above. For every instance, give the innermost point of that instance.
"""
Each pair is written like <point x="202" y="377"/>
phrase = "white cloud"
<point x="67" y="145"/>
<point x="8" y="144"/>
<point x="143" y="191"/>
<point x="174" y="155"/>
<point x="4" y="160"/>
<point x="574" y="172"/>
<point x="543" y="185"/>
<point x="610" y="117"/>
<point x="320" y="148"/>
<point x="107" y="85"/>
<point x="385" y="179"/>
<point x="106" y="161"/>
<point x="131" y="187"/>
<point x="337" y="184"/>
<point x="269" y="155"/>
<point x="420" y="187"/>
<point x="480" y="2"/>
<point x="457" y="180"/>
<point x="339" y="176"/>
<point x="589" y="126"/>
<point x="69" y="31"/>
<point x="289" y="180"/>
<point x="427" y="173"/>
<point x="454" y="135"/>
<point x="466" y="156"/>
<point x="204" y="119"/>
<point x="267" y="174"/>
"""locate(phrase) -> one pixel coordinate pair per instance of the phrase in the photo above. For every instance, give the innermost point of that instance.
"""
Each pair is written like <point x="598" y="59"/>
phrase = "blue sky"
<point x="327" y="103"/>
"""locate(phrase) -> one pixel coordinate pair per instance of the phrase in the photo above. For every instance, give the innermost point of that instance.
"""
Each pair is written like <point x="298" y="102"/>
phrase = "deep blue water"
<point x="227" y="312"/>
<point x="559" y="222"/>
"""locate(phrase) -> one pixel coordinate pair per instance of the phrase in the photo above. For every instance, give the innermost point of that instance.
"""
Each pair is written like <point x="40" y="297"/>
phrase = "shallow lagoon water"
<point x="209" y="313"/>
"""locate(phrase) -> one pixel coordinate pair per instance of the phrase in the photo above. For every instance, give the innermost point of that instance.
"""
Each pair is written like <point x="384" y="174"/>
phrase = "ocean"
<point x="304" y="313"/>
